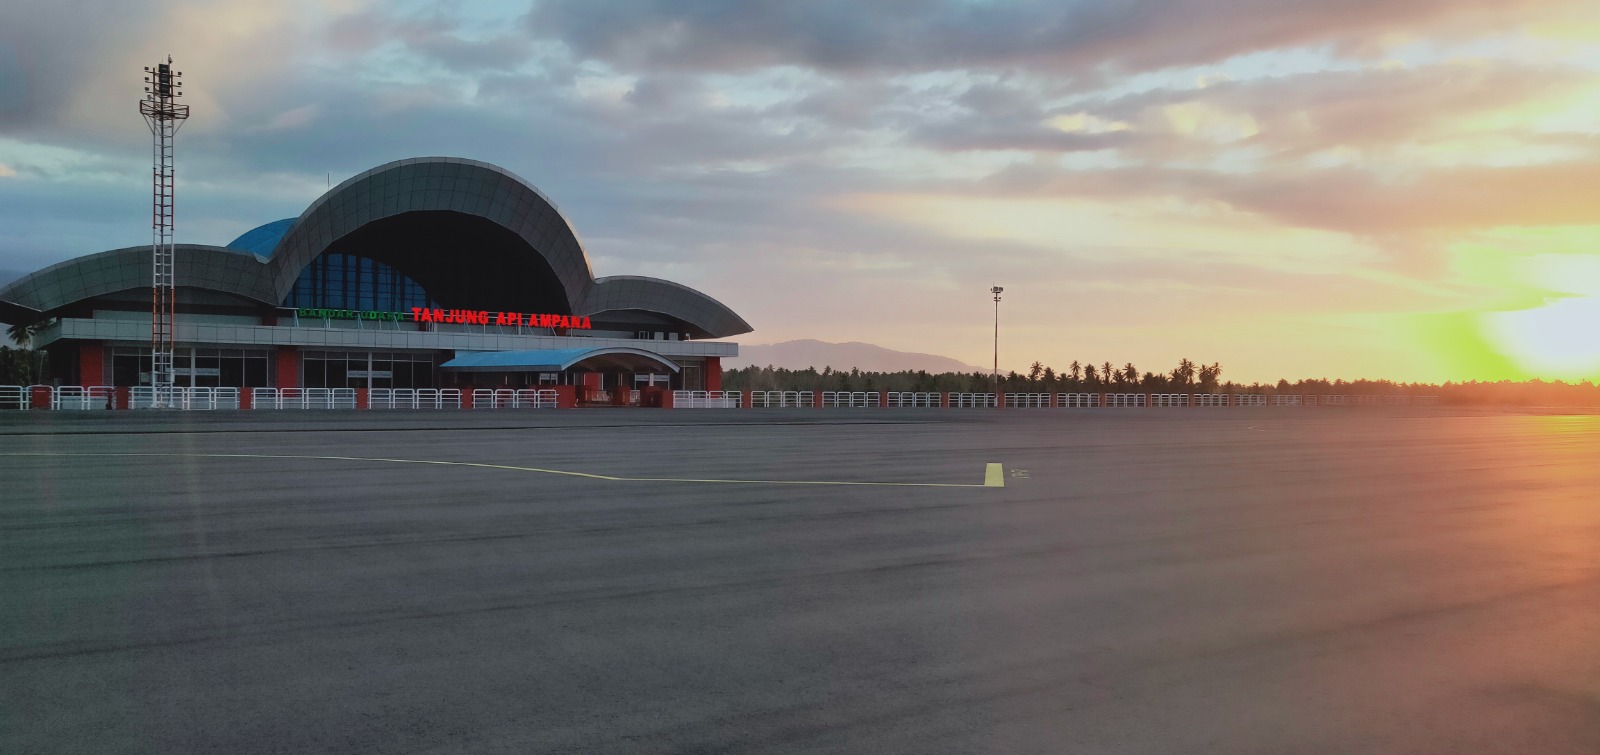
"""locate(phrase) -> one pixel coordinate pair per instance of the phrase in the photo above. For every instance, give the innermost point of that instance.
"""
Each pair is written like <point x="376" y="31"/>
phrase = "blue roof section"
<point x="261" y="240"/>
<point x="547" y="360"/>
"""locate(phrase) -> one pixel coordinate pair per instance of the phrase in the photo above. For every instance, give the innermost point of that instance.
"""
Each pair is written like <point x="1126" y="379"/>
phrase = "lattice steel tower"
<point x="164" y="117"/>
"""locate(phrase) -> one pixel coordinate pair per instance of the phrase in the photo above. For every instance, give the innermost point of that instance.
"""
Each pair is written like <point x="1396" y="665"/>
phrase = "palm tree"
<point x="1035" y="372"/>
<point x="22" y="334"/>
<point x="1089" y="375"/>
<point x="1130" y="374"/>
<point x="1107" y="371"/>
<point x="1077" y="370"/>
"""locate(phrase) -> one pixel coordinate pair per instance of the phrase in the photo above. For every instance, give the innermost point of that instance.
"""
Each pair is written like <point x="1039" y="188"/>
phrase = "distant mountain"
<point x="798" y="355"/>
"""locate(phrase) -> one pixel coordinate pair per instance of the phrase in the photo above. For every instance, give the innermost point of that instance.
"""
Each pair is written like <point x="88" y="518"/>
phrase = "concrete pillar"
<point x="713" y="370"/>
<point x="286" y="373"/>
<point x="92" y="363"/>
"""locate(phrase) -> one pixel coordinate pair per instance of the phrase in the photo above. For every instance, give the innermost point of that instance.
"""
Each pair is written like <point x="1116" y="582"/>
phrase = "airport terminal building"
<point x="422" y="273"/>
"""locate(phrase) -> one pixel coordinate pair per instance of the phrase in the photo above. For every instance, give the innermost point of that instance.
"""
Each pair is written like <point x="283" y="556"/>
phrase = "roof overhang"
<point x="560" y="360"/>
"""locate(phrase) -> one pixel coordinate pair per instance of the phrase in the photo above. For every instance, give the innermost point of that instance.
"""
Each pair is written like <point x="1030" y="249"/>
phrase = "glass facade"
<point x="347" y="281"/>
<point x="233" y="368"/>
<point x="360" y="369"/>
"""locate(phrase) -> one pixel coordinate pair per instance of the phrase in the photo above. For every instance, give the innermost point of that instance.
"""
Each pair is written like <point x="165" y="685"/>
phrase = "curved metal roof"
<point x="262" y="239"/>
<point x="207" y="267"/>
<point x="452" y="184"/>
<point x="276" y="253"/>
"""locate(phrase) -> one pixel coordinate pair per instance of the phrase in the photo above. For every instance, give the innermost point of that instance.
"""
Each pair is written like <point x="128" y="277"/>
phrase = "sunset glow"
<point x="1393" y="190"/>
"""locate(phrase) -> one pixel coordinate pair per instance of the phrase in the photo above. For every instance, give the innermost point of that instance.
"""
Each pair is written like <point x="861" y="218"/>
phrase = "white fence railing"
<point x="514" y="398"/>
<point x="303" y="398"/>
<point x="80" y="398"/>
<point x="850" y="399"/>
<point x="1029" y="401"/>
<point x="201" y="398"/>
<point x="414" y="398"/>
<point x="915" y="400"/>
<point x="16" y="397"/>
<point x="83" y="398"/>
<point x="783" y="399"/>
<point x="1078" y="400"/>
<point x="198" y="398"/>
<point x="707" y="399"/>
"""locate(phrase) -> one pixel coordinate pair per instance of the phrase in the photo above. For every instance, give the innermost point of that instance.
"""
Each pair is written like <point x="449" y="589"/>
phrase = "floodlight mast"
<point x="164" y="116"/>
<point x="996" y="379"/>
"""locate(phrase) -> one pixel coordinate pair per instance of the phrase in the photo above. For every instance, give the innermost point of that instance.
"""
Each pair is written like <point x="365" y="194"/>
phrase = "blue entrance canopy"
<point x="561" y="360"/>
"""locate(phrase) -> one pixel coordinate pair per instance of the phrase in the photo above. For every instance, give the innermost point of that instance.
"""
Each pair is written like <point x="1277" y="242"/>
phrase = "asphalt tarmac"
<point x="1146" y="581"/>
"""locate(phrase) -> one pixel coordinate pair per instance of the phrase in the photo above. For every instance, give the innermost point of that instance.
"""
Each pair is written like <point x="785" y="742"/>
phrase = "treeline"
<point x="23" y="366"/>
<point x="1187" y="377"/>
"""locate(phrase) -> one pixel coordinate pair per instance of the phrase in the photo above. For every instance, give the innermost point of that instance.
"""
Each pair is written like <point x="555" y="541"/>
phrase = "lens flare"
<point x="1560" y="340"/>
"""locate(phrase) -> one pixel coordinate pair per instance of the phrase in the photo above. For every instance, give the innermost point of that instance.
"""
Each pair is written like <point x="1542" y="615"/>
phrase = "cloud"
<point x="1281" y="153"/>
<point x="1064" y="36"/>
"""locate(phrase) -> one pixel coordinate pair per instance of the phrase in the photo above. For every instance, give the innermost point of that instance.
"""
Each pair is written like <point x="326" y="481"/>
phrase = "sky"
<point x="1292" y="188"/>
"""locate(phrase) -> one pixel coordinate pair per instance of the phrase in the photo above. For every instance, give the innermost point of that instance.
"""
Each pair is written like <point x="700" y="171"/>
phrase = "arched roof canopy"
<point x="203" y="267"/>
<point x="704" y="316"/>
<point x="461" y="260"/>
<point x="437" y="184"/>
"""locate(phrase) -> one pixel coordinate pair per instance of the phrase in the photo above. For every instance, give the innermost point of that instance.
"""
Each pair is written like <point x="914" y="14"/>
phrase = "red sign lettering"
<point x="481" y="317"/>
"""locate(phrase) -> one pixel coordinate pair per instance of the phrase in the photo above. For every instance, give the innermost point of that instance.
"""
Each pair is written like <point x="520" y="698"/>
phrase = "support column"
<point x="287" y="368"/>
<point x="713" y="368"/>
<point x="92" y="364"/>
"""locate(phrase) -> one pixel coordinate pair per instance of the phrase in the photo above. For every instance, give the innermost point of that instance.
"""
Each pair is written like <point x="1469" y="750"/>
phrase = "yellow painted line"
<point x="992" y="477"/>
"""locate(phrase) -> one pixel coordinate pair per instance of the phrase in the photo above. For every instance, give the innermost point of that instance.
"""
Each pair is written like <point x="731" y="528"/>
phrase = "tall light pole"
<point x="164" y="116"/>
<point x="996" y="291"/>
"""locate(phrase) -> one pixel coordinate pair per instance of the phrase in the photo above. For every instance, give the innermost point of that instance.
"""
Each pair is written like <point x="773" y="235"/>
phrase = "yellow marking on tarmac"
<point x="993" y="478"/>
